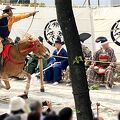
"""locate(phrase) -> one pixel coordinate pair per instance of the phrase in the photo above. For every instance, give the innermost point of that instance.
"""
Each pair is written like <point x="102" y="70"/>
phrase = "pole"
<point x="41" y="76"/>
<point x="98" y="104"/>
<point x="92" y="25"/>
<point x="89" y="3"/>
<point x="98" y="3"/>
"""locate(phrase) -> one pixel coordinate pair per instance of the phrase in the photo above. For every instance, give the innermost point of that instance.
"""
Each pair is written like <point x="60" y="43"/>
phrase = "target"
<point x="51" y="31"/>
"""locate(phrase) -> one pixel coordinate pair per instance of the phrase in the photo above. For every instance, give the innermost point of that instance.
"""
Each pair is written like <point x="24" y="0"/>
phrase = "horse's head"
<point x="40" y="49"/>
<point x="36" y="46"/>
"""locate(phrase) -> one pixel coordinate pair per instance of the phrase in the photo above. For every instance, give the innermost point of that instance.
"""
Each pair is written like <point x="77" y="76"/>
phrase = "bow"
<point x="32" y="18"/>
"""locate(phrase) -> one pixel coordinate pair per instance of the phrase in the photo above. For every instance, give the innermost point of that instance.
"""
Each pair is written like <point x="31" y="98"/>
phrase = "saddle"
<point x="5" y="52"/>
<point x="4" y="55"/>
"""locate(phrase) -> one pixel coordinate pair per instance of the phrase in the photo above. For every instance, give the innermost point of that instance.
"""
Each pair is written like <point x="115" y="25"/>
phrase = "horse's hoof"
<point x="24" y="96"/>
<point x="7" y="88"/>
<point x="42" y="90"/>
<point x="108" y="86"/>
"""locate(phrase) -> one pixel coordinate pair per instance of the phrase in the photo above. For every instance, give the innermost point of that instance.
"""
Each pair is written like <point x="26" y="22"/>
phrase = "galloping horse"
<point x="15" y="60"/>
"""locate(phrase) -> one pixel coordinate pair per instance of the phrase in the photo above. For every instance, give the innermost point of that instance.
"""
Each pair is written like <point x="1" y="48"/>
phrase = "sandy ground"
<point x="61" y="96"/>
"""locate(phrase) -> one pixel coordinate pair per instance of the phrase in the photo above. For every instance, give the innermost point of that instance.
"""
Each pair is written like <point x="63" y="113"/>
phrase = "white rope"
<point x="87" y="60"/>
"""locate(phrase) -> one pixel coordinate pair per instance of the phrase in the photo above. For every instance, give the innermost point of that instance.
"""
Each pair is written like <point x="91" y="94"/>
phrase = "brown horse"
<point x="16" y="60"/>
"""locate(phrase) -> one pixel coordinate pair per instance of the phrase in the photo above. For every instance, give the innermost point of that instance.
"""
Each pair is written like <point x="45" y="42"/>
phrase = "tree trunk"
<point x="76" y="60"/>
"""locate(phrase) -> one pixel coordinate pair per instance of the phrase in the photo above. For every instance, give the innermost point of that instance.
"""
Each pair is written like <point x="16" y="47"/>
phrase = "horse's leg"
<point x="7" y="84"/>
<point x="1" y="85"/>
<point x="28" y="82"/>
<point x="6" y="81"/>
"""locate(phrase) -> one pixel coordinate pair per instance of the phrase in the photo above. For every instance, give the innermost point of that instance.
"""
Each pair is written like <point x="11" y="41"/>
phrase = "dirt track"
<point x="61" y="96"/>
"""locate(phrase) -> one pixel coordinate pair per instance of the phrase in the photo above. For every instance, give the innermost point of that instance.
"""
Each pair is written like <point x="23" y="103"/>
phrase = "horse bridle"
<point x="32" y="47"/>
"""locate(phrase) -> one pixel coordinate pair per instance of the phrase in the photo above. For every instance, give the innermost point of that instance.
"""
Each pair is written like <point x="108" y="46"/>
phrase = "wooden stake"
<point x="98" y="104"/>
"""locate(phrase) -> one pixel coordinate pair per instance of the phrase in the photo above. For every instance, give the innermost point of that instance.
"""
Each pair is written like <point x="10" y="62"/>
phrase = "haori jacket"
<point x="61" y="53"/>
<point x="6" y="24"/>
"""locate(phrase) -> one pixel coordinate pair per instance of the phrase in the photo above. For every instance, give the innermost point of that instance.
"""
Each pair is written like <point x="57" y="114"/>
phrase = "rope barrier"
<point x="87" y="60"/>
<point x="67" y="58"/>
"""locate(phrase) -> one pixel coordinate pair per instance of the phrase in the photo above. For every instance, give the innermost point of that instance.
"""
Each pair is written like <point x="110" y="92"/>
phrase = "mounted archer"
<point x="6" y="21"/>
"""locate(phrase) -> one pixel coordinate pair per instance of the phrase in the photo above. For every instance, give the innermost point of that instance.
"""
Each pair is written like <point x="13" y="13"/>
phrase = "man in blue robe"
<point x="56" y="64"/>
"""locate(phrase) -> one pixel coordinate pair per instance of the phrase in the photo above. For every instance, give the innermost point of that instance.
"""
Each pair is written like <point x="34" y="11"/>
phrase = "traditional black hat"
<point x="102" y="40"/>
<point x="84" y="36"/>
<point x="40" y="39"/>
<point x="58" y="40"/>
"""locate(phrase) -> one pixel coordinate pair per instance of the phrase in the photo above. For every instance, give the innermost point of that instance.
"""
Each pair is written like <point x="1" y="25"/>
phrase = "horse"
<point x="15" y="60"/>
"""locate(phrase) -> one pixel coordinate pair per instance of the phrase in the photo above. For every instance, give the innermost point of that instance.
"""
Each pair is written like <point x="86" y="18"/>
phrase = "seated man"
<point x="32" y="63"/>
<point x="56" y="64"/>
<point x="87" y="55"/>
<point x="103" y="63"/>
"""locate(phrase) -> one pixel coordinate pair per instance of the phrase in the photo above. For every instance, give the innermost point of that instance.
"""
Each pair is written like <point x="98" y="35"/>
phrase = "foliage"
<point x="78" y="59"/>
<point x="38" y="4"/>
<point x="94" y="87"/>
<point x="78" y="111"/>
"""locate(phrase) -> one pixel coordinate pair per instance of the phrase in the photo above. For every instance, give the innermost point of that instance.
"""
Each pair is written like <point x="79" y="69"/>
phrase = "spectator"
<point x="18" y="106"/>
<point x="18" y="109"/>
<point x="34" y="116"/>
<point x="66" y="114"/>
<point x="36" y="107"/>
<point x="37" y="110"/>
<point x="15" y="117"/>
<point x="52" y="117"/>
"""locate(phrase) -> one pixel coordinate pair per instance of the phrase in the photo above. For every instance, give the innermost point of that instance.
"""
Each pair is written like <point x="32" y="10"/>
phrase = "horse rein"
<point x="32" y="47"/>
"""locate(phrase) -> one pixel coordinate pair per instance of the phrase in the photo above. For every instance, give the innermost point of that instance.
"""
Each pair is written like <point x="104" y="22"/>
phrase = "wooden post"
<point x="41" y="76"/>
<point x="98" y="104"/>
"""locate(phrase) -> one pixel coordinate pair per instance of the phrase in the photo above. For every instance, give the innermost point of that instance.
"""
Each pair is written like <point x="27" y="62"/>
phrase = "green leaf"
<point x="77" y="111"/>
<point x="78" y="59"/>
<point x="94" y="87"/>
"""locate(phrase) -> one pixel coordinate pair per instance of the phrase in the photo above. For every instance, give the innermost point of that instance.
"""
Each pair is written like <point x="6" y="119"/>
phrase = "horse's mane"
<point x="28" y="37"/>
